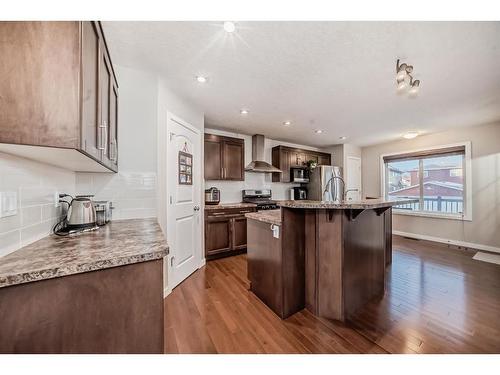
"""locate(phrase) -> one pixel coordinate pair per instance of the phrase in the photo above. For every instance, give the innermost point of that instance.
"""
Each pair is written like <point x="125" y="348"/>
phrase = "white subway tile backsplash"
<point x="31" y="215"/>
<point x="133" y="194"/>
<point x="9" y="242"/>
<point x="36" y="185"/>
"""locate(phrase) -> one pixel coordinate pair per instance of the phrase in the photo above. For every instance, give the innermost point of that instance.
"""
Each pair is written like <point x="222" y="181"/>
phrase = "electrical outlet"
<point x="8" y="203"/>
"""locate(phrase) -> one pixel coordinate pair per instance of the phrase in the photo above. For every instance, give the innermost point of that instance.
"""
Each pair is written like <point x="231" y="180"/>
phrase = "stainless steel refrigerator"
<point x="326" y="184"/>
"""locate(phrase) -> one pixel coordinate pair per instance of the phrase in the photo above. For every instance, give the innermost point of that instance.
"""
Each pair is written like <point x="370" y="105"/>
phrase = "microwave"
<point x="300" y="175"/>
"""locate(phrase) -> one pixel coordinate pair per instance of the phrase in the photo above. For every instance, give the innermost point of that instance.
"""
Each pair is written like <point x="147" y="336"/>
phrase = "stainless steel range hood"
<point x="258" y="164"/>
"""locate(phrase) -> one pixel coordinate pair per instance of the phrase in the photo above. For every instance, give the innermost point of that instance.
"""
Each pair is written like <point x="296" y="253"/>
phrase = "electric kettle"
<point x="81" y="212"/>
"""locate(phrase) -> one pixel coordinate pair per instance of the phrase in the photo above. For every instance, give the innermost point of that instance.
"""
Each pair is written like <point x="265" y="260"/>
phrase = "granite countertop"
<point x="118" y="243"/>
<point x="362" y="204"/>
<point x="266" y="216"/>
<point x="228" y="205"/>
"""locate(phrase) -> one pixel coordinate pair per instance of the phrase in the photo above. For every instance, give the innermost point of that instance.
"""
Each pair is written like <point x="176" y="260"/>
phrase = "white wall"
<point x="168" y="101"/>
<point x="36" y="185"/>
<point x="133" y="189"/>
<point x="483" y="231"/>
<point x="231" y="190"/>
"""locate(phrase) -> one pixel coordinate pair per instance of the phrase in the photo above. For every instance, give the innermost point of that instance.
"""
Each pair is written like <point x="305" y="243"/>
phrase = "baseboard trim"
<point x="469" y="245"/>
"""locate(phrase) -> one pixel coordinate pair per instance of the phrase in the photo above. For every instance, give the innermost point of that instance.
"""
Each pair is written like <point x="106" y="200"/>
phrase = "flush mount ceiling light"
<point x="201" y="79"/>
<point x="410" y="135"/>
<point x="343" y="138"/>
<point x="287" y="123"/>
<point x="244" y="112"/>
<point x="229" y="26"/>
<point x="405" y="80"/>
<point x="318" y="131"/>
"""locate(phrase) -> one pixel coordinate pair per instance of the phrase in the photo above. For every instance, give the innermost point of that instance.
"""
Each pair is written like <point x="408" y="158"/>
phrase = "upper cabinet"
<point x="58" y="90"/>
<point x="284" y="158"/>
<point x="224" y="158"/>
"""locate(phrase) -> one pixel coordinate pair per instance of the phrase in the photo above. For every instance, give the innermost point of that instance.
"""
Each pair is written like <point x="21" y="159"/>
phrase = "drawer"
<point x="229" y="212"/>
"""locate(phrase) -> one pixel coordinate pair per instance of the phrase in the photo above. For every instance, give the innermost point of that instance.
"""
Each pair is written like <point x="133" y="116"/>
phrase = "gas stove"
<point x="261" y="198"/>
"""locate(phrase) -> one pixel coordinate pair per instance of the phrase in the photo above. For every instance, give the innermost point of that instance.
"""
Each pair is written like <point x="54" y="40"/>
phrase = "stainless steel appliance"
<point x="258" y="163"/>
<point x="108" y="209"/>
<point x="81" y="212"/>
<point x="261" y="198"/>
<point x="212" y="196"/>
<point x="299" y="175"/>
<point x="299" y="193"/>
<point x="326" y="184"/>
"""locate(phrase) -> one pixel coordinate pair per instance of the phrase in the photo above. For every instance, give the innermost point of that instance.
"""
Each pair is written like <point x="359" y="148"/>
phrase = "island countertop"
<point x="266" y="216"/>
<point x="118" y="243"/>
<point x="364" y="204"/>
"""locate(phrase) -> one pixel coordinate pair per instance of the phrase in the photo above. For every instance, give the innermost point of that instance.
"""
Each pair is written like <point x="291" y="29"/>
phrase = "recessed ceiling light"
<point x="229" y="26"/>
<point x="342" y="138"/>
<point x="410" y="135"/>
<point x="287" y="123"/>
<point x="318" y="131"/>
<point x="201" y="79"/>
<point x="244" y="112"/>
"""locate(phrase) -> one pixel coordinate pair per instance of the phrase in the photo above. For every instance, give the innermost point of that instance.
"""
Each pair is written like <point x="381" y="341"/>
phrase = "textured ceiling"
<point x="334" y="76"/>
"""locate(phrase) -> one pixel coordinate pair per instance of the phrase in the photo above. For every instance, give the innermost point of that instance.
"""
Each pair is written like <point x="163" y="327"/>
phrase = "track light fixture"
<point x="405" y="80"/>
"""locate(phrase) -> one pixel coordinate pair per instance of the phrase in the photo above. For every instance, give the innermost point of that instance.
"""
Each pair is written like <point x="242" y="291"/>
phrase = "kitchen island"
<point x="333" y="255"/>
<point x="94" y="292"/>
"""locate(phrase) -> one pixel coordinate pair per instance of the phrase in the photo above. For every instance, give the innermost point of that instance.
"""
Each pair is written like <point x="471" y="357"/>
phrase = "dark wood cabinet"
<point x="284" y="158"/>
<point x="225" y="231"/>
<point x="224" y="158"/>
<point x="59" y="91"/>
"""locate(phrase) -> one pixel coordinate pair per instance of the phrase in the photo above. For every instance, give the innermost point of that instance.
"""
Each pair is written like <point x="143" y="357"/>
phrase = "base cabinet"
<point x="225" y="232"/>
<point x="116" y="310"/>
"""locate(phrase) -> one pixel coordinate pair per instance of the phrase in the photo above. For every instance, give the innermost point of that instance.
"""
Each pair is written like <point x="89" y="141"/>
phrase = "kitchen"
<point x="180" y="211"/>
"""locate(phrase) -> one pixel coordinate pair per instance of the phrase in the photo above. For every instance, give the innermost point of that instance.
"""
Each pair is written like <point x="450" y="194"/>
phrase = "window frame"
<point x="467" y="176"/>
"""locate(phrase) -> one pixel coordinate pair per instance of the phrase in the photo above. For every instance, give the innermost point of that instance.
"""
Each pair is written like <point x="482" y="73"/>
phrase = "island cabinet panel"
<point x="284" y="158"/>
<point x="388" y="236"/>
<point x="57" y="92"/>
<point x="276" y="265"/>
<point x="265" y="262"/>
<point x="224" y="158"/>
<point x="324" y="263"/>
<point x="363" y="259"/>
<point x="116" y="310"/>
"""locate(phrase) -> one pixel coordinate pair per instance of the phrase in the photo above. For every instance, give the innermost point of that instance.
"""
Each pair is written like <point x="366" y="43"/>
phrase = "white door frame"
<point x="200" y="253"/>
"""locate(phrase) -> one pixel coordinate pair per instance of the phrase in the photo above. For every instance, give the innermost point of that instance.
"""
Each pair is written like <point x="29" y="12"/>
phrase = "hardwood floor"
<point x="437" y="300"/>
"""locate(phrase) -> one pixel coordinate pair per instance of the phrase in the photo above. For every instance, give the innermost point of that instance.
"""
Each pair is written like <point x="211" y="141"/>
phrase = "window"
<point x="434" y="177"/>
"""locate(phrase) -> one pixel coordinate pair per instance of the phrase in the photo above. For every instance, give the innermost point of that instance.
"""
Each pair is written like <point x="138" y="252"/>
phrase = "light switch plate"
<point x="276" y="231"/>
<point x="8" y="203"/>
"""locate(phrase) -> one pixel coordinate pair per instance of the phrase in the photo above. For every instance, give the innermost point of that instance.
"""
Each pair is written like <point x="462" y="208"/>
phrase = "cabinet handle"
<point x="104" y="139"/>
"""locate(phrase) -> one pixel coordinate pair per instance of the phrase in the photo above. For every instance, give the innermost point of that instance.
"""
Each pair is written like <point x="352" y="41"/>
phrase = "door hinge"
<point x="171" y="200"/>
<point x="172" y="261"/>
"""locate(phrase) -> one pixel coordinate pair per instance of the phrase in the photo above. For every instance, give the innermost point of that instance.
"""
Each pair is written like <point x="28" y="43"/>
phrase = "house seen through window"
<point x="435" y="177"/>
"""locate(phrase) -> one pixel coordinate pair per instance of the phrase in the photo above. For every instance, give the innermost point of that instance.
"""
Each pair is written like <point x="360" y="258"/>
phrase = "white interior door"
<point x="183" y="199"/>
<point x="353" y="177"/>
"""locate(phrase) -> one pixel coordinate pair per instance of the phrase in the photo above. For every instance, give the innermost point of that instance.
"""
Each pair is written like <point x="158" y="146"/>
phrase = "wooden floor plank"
<point x="438" y="300"/>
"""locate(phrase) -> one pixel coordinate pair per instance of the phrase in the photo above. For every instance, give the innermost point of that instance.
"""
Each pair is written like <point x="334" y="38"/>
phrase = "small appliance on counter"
<point x="108" y="211"/>
<point x="299" y="193"/>
<point x="261" y="198"/>
<point x="299" y="175"/>
<point x="212" y="196"/>
<point x="81" y="215"/>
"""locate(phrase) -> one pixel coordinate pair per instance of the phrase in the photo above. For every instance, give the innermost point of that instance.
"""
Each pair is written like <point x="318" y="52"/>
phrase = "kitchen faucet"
<point x="327" y="189"/>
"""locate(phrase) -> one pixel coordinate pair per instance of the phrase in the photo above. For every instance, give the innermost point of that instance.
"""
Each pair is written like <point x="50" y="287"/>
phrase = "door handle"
<point x="196" y="208"/>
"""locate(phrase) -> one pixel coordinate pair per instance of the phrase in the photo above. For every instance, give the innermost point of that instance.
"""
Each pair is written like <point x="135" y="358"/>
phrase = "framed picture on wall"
<point x="185" y="168"/>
